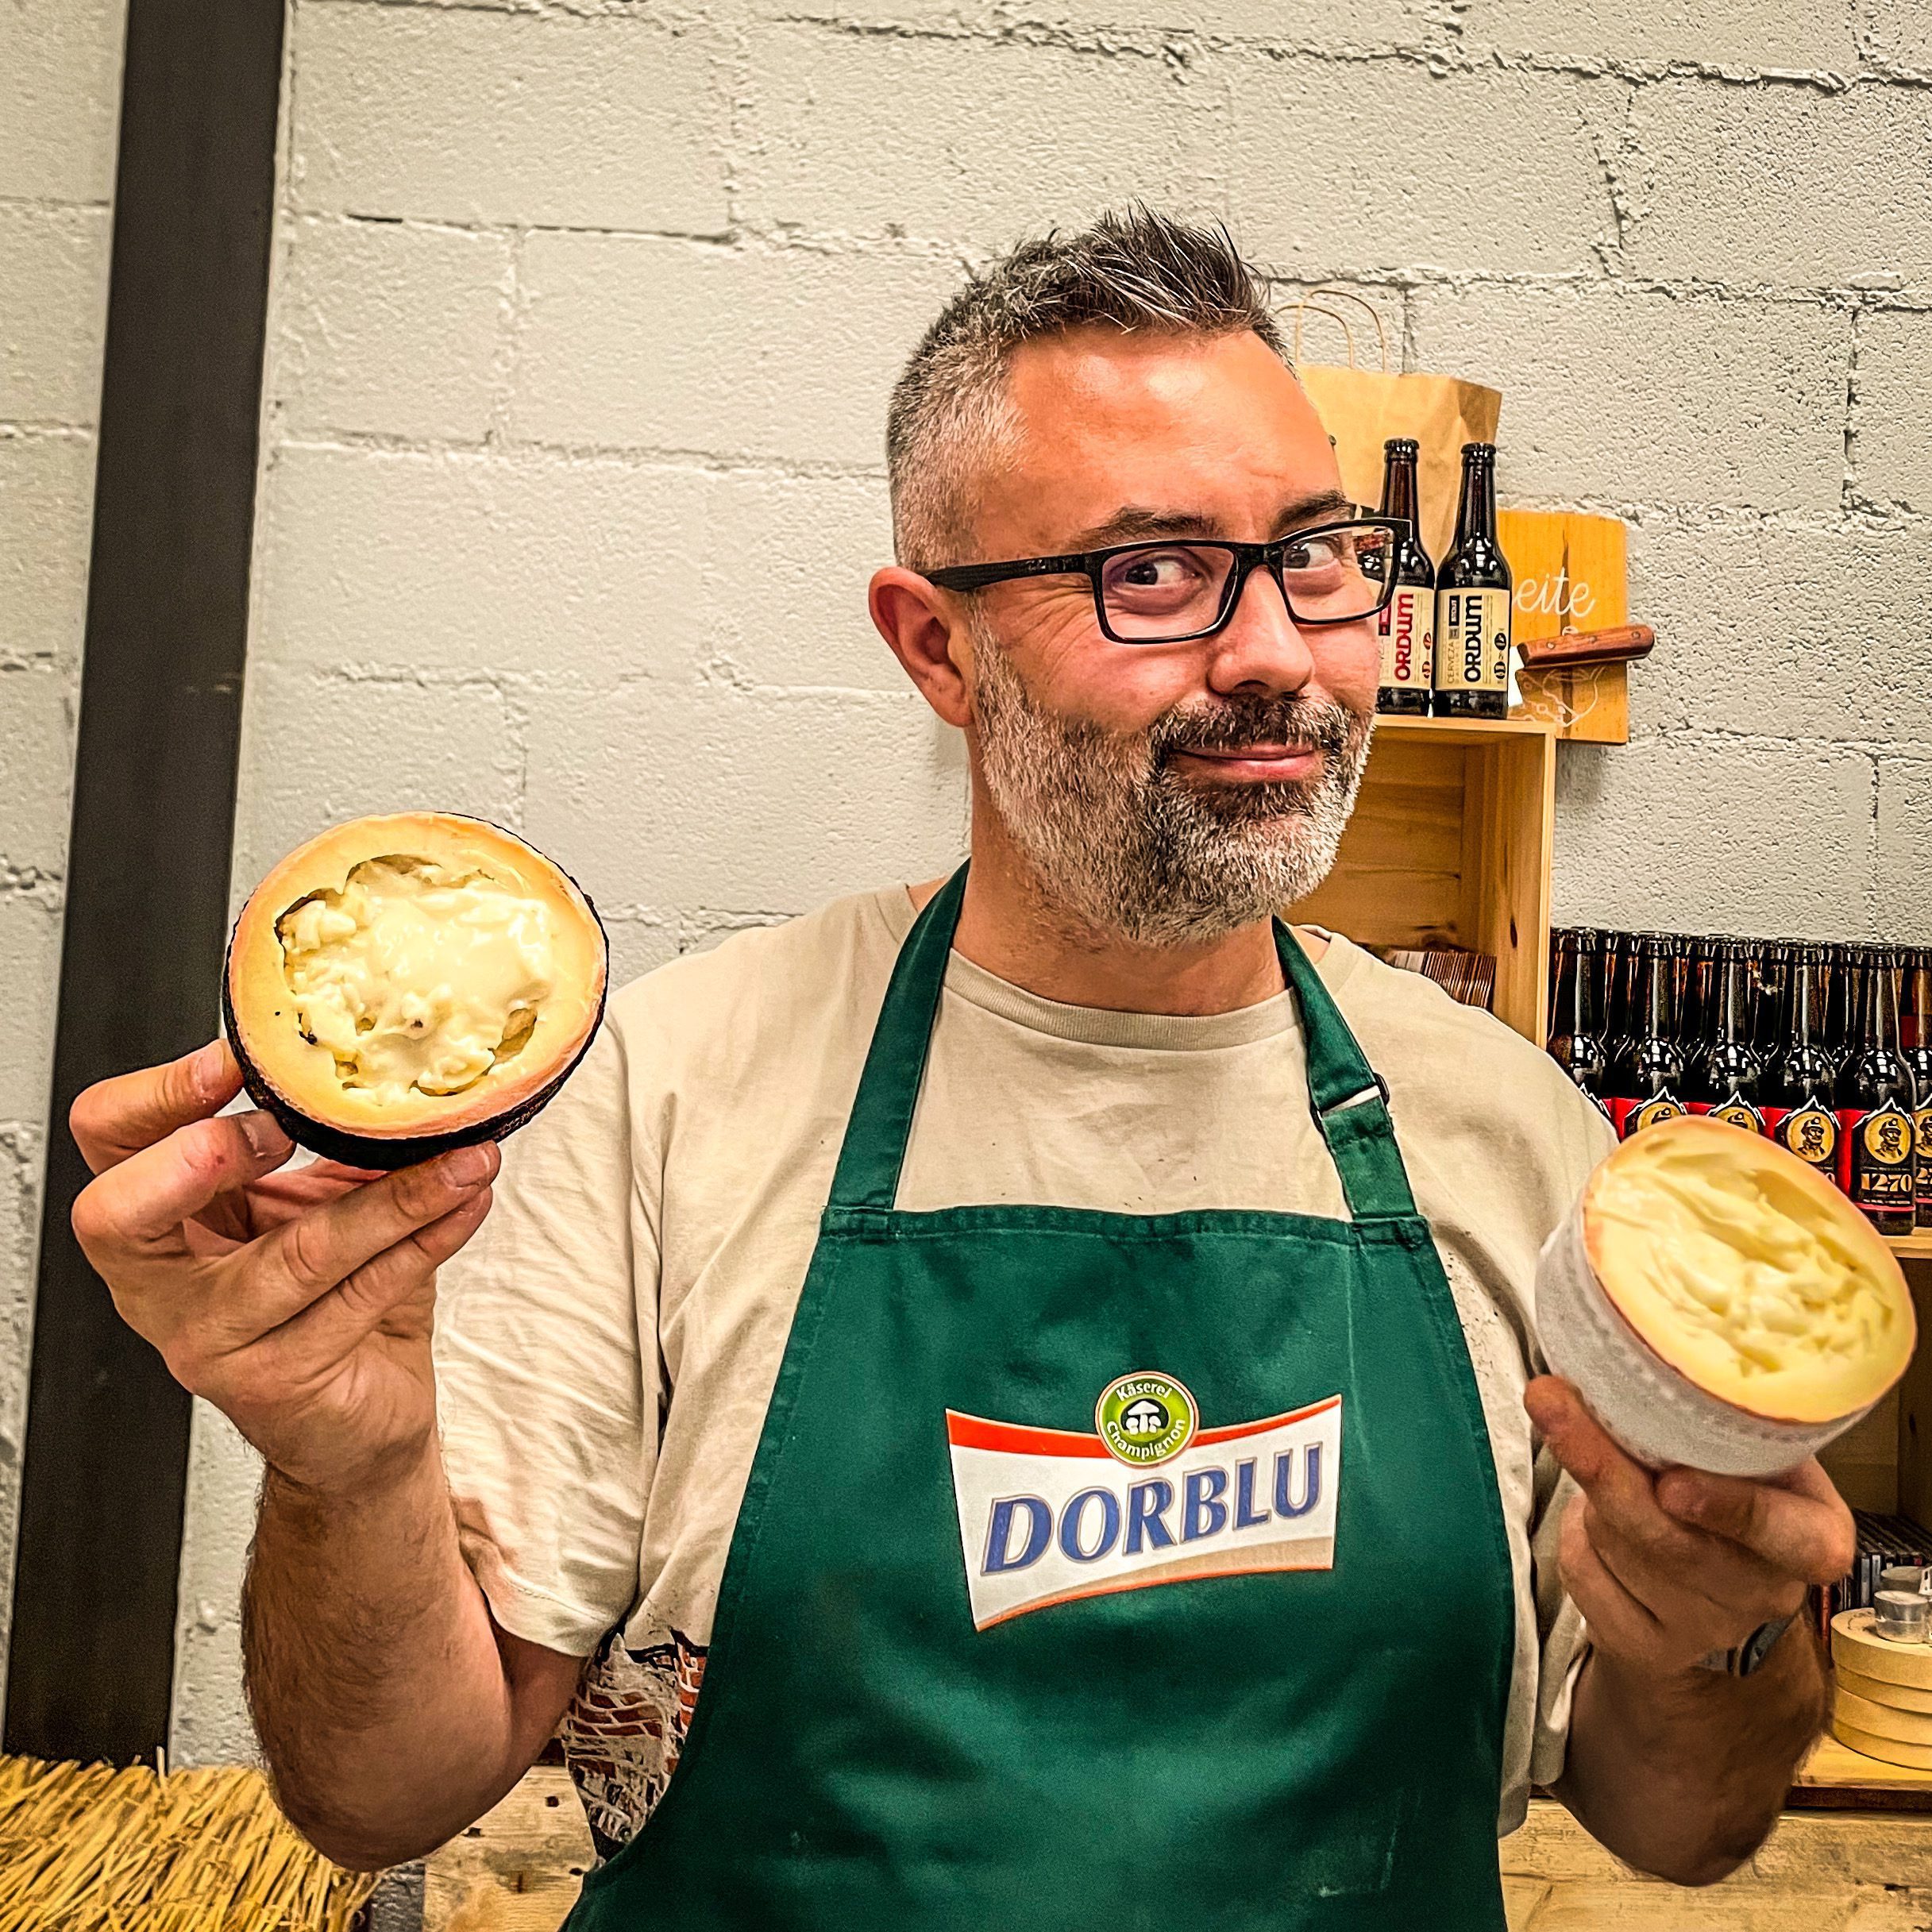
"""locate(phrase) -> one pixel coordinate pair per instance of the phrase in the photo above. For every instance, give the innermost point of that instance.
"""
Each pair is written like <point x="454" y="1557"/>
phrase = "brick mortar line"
<point x="1882" y="751"/>
<point x="524" y="456"/>
<point x="1440" y="57"/>
<point x="779" y="242"/>
<point x="613" y="456"/>
<point x="56" y="204"/>
<point x="45" y="429"/>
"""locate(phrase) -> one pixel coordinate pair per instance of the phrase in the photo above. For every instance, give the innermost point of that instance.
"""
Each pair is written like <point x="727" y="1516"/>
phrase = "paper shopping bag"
<point x="1362" y="407"/>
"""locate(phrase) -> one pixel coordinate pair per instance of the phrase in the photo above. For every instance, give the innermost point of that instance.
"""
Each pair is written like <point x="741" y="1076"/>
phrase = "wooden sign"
<point x="1571" y="574"/>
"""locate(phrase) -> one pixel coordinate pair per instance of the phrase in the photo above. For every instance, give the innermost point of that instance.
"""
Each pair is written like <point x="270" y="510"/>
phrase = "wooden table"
<point x="1823" y="1870"/>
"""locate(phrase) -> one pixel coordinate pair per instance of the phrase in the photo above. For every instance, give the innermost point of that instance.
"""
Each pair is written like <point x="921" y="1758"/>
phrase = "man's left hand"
<point x="1667" y="1568"/>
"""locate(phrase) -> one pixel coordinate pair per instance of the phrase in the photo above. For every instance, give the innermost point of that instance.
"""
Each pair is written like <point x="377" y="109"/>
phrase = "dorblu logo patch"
<point x="1047" y="1516"/>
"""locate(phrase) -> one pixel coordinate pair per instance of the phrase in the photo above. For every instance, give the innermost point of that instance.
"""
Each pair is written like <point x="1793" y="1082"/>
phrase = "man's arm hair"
<point x="393" y="1710"/>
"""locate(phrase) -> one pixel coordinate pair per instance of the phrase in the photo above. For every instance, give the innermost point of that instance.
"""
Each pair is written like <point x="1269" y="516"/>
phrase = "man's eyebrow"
<point x="1135" y="524"/>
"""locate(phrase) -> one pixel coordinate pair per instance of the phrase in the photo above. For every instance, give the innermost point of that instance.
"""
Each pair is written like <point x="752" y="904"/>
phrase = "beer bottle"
<point x="1844" y="969"/>
<point x="1724" y="1078"/>
<point x="1798" y="1087"/>
<point x="1878" y="1104"/>
<point x="1919" y="1053"/>
<point x="1407" y="625"/>
<point x="1773" y="968"/>
<point x="1576" y="1035"/>
<point x="1647" y="1084"/>
<point x="1698" y="991"/>
<point x="1473" y="602"/>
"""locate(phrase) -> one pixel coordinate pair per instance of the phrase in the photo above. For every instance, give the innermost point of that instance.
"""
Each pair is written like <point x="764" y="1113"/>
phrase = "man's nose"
<point x="1262" y="648"/>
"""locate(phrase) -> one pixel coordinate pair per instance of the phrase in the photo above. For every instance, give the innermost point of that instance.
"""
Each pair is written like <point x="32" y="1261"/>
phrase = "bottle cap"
<point x="1902" y="1615"/>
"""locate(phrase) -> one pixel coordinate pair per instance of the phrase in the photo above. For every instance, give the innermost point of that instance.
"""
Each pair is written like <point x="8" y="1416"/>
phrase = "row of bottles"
<point x="1826" y="1048"/>
<point x="1445" y="633"/>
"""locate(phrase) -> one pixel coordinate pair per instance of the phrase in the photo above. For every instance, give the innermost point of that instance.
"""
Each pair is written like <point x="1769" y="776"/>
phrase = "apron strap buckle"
<point x="1380" y="1088"/>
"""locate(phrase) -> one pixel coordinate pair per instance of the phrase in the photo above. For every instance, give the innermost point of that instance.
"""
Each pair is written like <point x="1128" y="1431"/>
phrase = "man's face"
<point x="1170" y="792"/>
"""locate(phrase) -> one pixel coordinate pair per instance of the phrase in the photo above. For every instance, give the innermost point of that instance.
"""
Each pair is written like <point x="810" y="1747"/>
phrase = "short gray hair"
<point x="950" y="416"/>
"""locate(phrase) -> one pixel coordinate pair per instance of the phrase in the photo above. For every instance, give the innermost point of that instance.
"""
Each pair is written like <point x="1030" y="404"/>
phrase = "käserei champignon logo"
<point x="1145" y="1418"/>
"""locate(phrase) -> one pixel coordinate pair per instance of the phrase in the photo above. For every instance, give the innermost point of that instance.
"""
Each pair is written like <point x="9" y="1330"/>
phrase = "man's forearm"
<point x="373" y="1670"/>
<point x="1684" y="1775"/>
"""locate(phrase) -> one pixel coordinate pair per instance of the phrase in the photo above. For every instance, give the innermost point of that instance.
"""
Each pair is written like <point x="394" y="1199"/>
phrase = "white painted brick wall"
<point x="583" y="321"/>
<point x="59" y="96"/>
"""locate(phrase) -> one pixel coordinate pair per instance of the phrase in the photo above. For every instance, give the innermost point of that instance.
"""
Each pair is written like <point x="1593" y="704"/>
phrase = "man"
<point x="1020" y="1430"/>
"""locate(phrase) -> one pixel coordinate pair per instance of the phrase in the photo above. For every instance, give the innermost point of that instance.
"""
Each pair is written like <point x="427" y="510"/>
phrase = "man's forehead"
<point x="1105" y="417"/>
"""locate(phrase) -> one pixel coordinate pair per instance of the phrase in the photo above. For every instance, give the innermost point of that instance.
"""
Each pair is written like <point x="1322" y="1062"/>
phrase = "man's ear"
<point x="918" y="620"/>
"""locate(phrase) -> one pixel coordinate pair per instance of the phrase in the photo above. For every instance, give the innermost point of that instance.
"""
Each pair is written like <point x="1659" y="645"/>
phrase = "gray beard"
<point x="1126" y="846"/>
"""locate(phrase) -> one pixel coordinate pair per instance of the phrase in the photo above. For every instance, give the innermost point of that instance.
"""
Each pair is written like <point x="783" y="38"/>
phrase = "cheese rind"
<point x="1746" y="1272"/>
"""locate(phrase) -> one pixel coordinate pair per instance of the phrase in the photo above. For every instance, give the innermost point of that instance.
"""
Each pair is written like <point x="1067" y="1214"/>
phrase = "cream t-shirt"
<point x="607" y="1345"/>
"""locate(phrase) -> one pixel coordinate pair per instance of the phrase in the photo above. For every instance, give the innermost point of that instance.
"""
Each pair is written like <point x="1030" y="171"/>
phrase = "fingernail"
<point x="210" y="1064"/>
<point x="263" y="1135"/>
<point x="468" y="1166"/>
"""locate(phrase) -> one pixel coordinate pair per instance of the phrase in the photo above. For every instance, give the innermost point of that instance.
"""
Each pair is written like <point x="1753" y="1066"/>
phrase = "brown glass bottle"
<point x="1844" y="971"/>
<point x="1474" y="601"/>
<point x="1646" y="1082"/>
<point x="1878" y="1104"/>
<point x="1406" y="628"/>
<point x="1773" y="969"/>
<point x="1799" y="1083"/>
<point x="1725" y="1076"/>
<point x="1576" y="1030"/>
<point x="1919" y="1055"/>
<point x="1697" y="991"/>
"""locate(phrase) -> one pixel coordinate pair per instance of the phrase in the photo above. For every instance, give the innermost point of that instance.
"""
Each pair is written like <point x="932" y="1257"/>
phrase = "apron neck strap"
<point x="1349" y="1100"/>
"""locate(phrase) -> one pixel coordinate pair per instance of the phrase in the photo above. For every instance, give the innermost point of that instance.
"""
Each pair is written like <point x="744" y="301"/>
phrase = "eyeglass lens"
<point x="1158" y="592"/>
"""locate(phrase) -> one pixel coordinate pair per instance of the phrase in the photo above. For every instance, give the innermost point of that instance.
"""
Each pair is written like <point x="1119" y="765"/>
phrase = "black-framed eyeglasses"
<point x="1174" y="589"/>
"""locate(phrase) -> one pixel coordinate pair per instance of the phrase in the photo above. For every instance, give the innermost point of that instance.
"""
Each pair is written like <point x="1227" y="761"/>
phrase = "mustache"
<point x="1238" y="722"/>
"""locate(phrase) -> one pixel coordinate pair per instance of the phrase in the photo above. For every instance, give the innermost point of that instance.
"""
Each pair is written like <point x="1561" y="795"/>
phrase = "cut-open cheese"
<point x="1747" y="1272"/>
<point x="410" y="982"/>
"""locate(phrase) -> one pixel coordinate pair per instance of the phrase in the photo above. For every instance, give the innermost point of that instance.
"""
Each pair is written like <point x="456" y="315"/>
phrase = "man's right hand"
<point x="298" y="1304"/>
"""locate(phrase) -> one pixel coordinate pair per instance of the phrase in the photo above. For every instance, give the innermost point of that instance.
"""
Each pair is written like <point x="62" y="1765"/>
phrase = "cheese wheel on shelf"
<point x="1900" y="1696"/>
<point x="1880" y="1720"/>
<point x="1855" y="1646"/>
<point x="1887" y="1750"/>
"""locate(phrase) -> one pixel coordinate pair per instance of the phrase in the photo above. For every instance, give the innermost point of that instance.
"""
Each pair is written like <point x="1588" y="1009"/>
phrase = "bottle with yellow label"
<point x="1878" y="1105"/>
<point x="1474" y="597"/>
<point x="1799" y="1111"/>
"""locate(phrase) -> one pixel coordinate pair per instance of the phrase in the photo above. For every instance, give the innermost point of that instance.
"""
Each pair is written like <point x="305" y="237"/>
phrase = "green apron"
<point x="1233" y="1723"/>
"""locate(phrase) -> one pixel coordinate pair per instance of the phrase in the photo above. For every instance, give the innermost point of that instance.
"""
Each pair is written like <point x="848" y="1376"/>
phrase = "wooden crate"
<point x="1450" y="844"/>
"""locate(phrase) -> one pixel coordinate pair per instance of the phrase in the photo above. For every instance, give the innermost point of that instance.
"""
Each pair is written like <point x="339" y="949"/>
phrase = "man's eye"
<point x="1158" y="572"/>
<point x="1314" y="554"/>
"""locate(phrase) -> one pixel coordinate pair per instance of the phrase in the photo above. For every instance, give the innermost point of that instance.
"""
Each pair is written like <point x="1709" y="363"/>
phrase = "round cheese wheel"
<point x="1880" y="1720"/>
<point x="1887" y="1750"/>
<point x="1855" y="1646"/>
<point x="1900" y="1696"/>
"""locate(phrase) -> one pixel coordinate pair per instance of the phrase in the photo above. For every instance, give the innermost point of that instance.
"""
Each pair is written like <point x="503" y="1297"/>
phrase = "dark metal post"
<point x="92" y="1653"/>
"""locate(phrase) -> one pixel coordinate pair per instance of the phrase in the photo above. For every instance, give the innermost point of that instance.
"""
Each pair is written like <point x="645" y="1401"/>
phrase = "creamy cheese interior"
<point x="1738" y="1273"/>
<point x="414" y="977"/>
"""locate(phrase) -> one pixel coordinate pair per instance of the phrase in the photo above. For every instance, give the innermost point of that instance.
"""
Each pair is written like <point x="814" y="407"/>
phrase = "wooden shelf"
<point x="1835" y="1777"/>
<point x="1911" y="1246"/>
<point x="1450" y="846"/>
<point x="1519" y="725"/>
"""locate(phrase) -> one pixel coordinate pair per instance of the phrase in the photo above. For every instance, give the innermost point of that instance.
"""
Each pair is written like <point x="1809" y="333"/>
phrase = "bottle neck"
<point x="1878" y="1018"/>
<point x="1475" y="509"/>
<point x="1399" y="491"/>
<point x="1657" y="998"/>
<point x="1804" y="1023"/>
<point x="1733" y="1000"/>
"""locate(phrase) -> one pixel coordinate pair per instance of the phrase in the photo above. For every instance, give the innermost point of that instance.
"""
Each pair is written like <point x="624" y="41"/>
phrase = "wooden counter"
<point x="1821" y="1871"/>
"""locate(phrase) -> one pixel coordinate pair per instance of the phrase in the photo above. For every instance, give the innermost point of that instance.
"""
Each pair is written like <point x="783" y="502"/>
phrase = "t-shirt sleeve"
<point x="1581" y="1139"/>
<point x="547" y="1394"/>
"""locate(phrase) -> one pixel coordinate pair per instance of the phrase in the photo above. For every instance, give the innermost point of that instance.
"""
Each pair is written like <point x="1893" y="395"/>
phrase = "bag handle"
<point x="1336" y="291"/>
